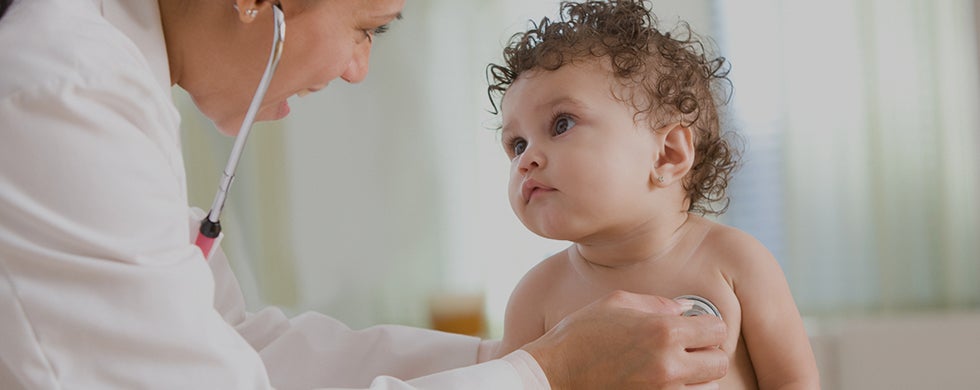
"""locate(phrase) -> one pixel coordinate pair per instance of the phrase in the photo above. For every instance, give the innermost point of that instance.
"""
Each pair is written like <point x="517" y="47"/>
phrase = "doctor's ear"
<point x="675" y="156"/>
<point x="249" y="9"/>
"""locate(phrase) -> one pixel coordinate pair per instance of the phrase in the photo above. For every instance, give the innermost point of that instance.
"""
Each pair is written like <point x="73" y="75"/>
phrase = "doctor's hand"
<point x="632" y="341"/>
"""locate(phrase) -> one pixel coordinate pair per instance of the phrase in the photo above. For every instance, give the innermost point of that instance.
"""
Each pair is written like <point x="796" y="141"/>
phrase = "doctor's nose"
<point x="357" y="68"/>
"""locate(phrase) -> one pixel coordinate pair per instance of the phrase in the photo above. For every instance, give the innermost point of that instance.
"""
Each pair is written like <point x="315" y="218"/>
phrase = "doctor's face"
<point x="325" y="40"/>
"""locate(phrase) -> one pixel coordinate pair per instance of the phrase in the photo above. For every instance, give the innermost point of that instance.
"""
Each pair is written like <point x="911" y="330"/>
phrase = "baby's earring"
<point x="660" y="179"/>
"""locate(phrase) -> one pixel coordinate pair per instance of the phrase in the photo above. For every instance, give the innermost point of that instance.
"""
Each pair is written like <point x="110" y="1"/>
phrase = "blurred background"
<point x="385" y="202"/>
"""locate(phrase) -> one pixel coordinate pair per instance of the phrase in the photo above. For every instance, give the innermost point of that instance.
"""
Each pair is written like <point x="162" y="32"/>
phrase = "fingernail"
<point x="686" y="305"/>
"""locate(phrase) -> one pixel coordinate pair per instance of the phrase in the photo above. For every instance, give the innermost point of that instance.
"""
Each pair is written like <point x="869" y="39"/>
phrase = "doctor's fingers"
<point x="688" y="346"/>
<point x="650" y="304"/>
<point x="703" y="386"/>
<point x="699" y="332"/>
<point x="704" y="366"/>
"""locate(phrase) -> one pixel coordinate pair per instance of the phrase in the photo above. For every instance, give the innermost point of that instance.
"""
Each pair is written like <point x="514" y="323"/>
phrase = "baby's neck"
<point x="644" y="244"/>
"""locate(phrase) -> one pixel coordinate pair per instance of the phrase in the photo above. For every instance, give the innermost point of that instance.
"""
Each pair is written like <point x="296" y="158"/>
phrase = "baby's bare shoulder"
<point x="733" y="249"/>
<point x="543" y="276"/>
<point x="728" y="238"/>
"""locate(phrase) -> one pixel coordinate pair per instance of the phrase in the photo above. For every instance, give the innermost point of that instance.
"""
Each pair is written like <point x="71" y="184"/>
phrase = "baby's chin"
<point x="548" y="230"/>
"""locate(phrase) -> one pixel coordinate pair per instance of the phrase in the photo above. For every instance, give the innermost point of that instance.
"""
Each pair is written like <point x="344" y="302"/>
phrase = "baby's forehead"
<point x="547" y="100"/>
<point x="570" y="83"/>
<point x="631" y="90"/>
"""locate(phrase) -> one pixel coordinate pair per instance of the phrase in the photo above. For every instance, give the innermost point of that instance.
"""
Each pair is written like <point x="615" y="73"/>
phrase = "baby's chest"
<point x="575" y="293"/>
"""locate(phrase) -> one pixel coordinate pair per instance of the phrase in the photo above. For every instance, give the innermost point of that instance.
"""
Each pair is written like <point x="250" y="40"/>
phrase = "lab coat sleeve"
<point x="313" y="350"/>
<point x="99" y="287"/>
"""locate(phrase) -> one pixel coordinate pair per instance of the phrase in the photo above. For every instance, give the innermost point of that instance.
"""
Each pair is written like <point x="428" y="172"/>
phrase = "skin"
<point x="218" y="55"/>
<point x="586" y="169"/>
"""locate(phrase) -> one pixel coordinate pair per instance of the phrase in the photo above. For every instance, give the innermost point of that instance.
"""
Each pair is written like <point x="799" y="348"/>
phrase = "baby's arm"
<point x="774" y="334"/>
<point x="524" y="318"/>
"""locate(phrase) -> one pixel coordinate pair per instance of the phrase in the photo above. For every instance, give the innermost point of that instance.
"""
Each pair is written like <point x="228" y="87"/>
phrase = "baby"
<point x="614" y="138"/>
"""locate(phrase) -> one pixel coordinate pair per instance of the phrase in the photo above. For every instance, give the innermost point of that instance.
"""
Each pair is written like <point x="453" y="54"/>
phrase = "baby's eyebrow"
<point x="563" y="100"/>
<point x="505" y="129"/>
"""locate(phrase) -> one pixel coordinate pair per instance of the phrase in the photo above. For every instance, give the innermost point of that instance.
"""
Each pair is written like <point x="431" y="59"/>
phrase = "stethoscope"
<point x="699" y="306"/>
<point x="210" y="226"/>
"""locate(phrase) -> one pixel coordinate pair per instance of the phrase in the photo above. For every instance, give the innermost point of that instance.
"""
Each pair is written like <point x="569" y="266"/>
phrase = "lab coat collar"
<point x="140" y="21"/>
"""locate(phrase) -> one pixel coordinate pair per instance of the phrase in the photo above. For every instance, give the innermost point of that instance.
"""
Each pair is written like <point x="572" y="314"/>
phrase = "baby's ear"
<point x="675" y="156"/>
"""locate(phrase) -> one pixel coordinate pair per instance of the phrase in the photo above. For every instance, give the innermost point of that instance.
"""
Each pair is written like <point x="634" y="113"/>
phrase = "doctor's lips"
<point x="308" y="91"/>
<point x="531" y="187"/>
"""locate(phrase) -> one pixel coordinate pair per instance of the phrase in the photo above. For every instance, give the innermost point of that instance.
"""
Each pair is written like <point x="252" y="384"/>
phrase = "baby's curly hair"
<point x="674" y="75"/>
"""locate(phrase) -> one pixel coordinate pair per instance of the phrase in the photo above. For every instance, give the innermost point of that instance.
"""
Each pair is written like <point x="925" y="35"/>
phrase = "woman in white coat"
<point x="100" y="284"/>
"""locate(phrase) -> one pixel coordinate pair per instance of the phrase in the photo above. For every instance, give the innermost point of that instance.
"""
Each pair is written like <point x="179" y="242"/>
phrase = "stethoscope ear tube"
<point x="211" y="227"/>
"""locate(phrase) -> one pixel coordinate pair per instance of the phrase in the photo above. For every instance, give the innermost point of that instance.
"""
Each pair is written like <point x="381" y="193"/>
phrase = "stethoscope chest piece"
<point x="702" y="306"/>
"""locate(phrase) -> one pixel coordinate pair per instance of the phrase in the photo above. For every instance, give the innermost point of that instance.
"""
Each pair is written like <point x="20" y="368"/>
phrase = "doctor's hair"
<point x="4" y="4"/>
<point x="673" y="75"/>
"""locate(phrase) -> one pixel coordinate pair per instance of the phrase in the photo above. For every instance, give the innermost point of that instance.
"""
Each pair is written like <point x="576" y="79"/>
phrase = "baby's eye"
<point x="562" y="124"/>
<point x="518" y="146"/>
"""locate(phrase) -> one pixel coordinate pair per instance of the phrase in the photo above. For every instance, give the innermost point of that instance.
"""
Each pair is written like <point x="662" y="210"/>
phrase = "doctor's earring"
<point x="251" y="13"/>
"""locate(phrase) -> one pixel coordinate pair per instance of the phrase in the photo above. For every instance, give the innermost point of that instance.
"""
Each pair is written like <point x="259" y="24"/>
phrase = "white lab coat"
<point x="100" y="286"/>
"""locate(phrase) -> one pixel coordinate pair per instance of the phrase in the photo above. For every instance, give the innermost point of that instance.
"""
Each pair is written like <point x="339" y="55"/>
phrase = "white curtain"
<point x="861" y="171"/>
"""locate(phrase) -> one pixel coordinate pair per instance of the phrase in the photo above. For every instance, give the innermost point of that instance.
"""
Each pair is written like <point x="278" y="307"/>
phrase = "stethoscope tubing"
<point x="210" y="226"/>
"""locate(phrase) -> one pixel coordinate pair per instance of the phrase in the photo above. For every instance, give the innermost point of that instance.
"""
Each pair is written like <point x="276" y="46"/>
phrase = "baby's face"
<point x="581" y="166"/>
